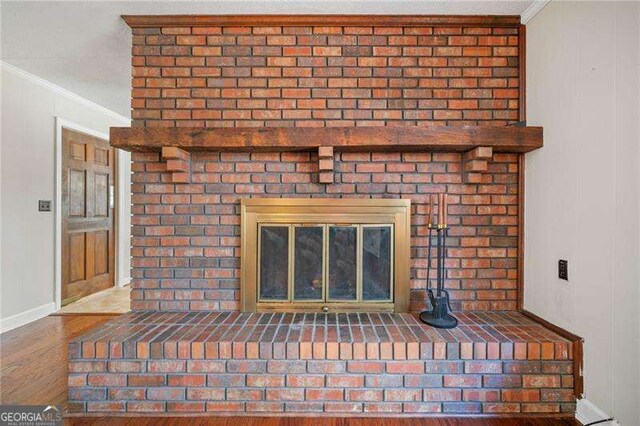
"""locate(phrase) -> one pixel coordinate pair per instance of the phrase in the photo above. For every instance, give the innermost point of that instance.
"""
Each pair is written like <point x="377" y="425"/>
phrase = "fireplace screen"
<point x="325" y="262"/>
<point x="333" y="255"/>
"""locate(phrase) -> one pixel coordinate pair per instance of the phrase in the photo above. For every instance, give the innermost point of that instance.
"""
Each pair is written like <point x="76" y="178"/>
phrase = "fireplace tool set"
<point x="439" y="316"/>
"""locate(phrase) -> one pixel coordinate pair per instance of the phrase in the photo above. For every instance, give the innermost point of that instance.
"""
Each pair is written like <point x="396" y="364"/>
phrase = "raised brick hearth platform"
<point x="333" y="364"/>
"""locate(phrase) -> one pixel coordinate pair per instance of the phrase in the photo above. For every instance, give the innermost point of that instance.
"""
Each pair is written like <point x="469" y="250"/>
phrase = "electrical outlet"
<point x="44" y="205"/>
<point x="563" y="269"/>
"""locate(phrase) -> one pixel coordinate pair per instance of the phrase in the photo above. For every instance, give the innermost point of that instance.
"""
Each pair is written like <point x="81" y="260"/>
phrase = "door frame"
<point x="118" y="210"/>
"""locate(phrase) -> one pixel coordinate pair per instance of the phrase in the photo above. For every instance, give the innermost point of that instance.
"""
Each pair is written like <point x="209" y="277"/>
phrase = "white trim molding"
<point x="587" y="412"/>
<point x="533" y="10"/>
<point x="123" y="218"/>
<point x="64" y="92"/>
<point x="23" y="318"/>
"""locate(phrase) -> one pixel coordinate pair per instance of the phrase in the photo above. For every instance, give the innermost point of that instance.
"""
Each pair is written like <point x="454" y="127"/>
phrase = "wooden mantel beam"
<point x="147" y="21"/>
<point x="407" y="138"/>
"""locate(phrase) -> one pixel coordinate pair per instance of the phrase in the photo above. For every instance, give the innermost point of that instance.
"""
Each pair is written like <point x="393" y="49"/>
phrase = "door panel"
<point x="76" y="258"/>
<point x="77" y="191"/>
<point x="102" y="156"/>
<point x="101" y="181"/>
<point x="101" y="252"/>
<point x="88" y="256"/>
<point x="77" y="151"/>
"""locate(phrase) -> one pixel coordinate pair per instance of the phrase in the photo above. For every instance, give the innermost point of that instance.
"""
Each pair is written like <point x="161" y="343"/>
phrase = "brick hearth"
<point x="499" y="362"/>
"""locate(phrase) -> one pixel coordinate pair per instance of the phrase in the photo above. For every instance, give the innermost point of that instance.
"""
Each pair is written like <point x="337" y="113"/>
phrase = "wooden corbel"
<point x="325" y="164"/>
<point x="475" y="163"/>
<point x="178" y="164"/>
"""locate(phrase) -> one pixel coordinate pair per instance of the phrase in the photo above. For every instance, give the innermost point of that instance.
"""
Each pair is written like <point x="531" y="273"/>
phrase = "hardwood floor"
<point x="33" y="370"/>
<point x="33" y="359"/>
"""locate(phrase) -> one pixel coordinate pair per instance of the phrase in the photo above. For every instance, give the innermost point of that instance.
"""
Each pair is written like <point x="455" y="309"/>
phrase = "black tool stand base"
<point x="439" y="317"/>
<point x="446" y="321"/>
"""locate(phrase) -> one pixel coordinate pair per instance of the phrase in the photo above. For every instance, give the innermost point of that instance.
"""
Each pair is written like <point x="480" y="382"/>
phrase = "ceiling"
<point x="84" y="46"/>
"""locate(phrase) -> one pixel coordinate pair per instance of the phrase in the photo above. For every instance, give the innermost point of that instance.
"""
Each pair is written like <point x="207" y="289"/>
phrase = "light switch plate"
<point x="44" y="205"/>
<point x="563" y="269"/>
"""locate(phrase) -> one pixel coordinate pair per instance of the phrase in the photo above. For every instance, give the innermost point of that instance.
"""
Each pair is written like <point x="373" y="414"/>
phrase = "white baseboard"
<point x="26" y="317"/>
<point x="587" y="412"/>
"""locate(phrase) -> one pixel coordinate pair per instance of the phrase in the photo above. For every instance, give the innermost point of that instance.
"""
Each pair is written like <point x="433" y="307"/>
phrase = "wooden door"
<point x="88" y="250"/>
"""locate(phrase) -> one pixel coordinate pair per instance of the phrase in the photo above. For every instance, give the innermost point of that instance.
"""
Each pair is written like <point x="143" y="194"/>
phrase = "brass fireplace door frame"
<point x="318" y="211"/>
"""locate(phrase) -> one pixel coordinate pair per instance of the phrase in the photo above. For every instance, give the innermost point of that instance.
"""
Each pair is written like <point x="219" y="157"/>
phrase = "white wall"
<point x="583" y="189"/>
<point x="30" y="107"/>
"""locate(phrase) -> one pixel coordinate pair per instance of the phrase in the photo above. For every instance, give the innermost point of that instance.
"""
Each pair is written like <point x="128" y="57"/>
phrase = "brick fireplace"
<point x="254" y="76"/>
<point x="226" y="109"/>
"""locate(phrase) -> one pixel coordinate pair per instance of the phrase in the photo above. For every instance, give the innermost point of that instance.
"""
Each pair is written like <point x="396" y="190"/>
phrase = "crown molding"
<point x="533" y="10"/>
<point x="62" y="91"/>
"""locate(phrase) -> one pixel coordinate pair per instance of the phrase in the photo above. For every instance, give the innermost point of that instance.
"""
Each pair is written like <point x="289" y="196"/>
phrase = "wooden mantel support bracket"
<point x="178" y="164"/>
<point x="475" y="163"/>
<point x="325" y="164"/>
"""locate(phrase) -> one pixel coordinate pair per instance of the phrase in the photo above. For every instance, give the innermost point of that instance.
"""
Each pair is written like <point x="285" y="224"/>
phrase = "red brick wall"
<point x="186" y="236"/>
<point x="324" y="76"/>
<point x="324" y="388"/>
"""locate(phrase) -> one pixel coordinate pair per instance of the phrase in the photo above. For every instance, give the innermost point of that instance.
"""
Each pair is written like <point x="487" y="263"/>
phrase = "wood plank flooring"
<point x="33" y="359"/>
<point x="33" y="370"/>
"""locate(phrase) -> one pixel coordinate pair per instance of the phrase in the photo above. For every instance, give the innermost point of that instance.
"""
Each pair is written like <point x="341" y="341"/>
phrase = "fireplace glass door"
<point x="308" y="263"/>
<point x="328" y="264"/>
<point x="325" y="255"/>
